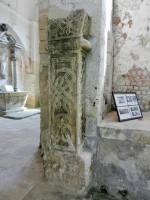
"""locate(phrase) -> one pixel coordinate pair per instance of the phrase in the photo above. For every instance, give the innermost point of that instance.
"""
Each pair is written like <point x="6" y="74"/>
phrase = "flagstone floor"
<point x="21" y="165"/>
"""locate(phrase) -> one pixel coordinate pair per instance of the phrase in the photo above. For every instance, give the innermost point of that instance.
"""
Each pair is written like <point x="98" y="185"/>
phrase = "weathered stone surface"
<point x="131" y="45"/>
<point x="134" y="82"/>
<point x="12" y="102"/>
<point x="42" y="47"/>
<point x="68" y="170"/>
<point x="43" y="22"/>
<point x="42" y="35"/>
<point x="123" y="156"/>
<point x="62" y="86"/>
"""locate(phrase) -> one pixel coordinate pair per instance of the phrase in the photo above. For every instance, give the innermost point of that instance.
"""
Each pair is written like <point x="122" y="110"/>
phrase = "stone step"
<point x="23" y="114"/>
<point x="137" y="131"/>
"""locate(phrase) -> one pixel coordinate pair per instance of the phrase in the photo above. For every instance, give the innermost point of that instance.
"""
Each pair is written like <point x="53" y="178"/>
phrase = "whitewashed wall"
<point x="21" y="18"/>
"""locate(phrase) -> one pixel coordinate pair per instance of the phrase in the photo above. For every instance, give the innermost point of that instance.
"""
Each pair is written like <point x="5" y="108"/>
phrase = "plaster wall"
<point x="131" y="25"/>
<point x="21" y="19"/>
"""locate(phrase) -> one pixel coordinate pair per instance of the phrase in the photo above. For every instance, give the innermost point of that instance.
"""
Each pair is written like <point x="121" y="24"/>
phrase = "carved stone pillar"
<point x="14" y="57"/>
<point x="66" y="161"/>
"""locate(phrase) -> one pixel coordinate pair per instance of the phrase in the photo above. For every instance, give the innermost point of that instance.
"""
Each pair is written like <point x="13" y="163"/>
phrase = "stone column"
<point x="14" y="57"/>
<point x="66" y="162"/>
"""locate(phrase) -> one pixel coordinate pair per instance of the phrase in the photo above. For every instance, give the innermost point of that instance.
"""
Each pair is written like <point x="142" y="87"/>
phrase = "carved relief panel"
<point x="64" y="159"/>
<point x="63" y="102"/>
<point x="67" y="49"/>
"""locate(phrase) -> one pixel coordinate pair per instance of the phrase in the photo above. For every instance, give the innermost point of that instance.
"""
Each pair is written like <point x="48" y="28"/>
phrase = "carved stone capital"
<point x="76" y="25"/>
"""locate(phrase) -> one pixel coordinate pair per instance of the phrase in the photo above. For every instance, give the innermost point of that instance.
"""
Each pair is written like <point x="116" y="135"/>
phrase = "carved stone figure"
<point x="3" y="32"/>
<point x="3" y="64"/>
<point x="3" y="27"/>
<point x="66" y="161"/>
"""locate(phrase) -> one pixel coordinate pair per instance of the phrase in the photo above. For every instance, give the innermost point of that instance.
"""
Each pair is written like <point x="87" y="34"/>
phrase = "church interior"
<point x="74" y="100"/>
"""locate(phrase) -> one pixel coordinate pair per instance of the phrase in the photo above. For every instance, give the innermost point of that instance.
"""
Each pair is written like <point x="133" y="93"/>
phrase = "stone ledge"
<point x="137" y="131"/>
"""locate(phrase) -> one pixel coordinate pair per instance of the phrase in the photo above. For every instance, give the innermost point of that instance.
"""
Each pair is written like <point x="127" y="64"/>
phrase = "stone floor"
<point x="21" y="165"/>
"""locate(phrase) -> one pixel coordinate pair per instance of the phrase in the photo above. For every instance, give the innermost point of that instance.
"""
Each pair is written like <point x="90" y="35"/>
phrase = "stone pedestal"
<point x="66" y="162"/>
<point x="12" y="102"/>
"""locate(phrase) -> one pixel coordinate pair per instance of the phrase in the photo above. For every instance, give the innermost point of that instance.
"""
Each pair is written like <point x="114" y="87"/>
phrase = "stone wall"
<point x="131" y="27"/>
<point x="136" y="80"/>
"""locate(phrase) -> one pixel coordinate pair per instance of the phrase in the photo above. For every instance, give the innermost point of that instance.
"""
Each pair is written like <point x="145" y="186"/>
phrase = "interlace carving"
<point x="62" y="87"/>
<point x="75" y="25"/>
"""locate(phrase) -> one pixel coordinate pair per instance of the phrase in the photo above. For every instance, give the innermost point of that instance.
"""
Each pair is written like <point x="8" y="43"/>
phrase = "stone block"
<point x="69" y="170"/>
<point x="138" y="92"/>
<point x="146" y="97"/>
<point x="43" y="23"/>
<point x="133" y="83"/>
<point x="147" y="107"/>
<point x="42" y="47"/>
<point x="142" y="88"/>
<point x="147" y="88"/>
<point x="134" y="73"/>
<point x="143" y="92"/>
<point x="145" y="73"/>
<point x="128" y="82"/>
<point x="147" y="84"/>
<point x="143" y="78"/>
<point x="43" y="61"/>
<point x="42" y="35"/>
<point x="139" y="72"/>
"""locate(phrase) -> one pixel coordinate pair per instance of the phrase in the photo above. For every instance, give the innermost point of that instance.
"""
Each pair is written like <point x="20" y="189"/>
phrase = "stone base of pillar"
<point x="72" y="171"/>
